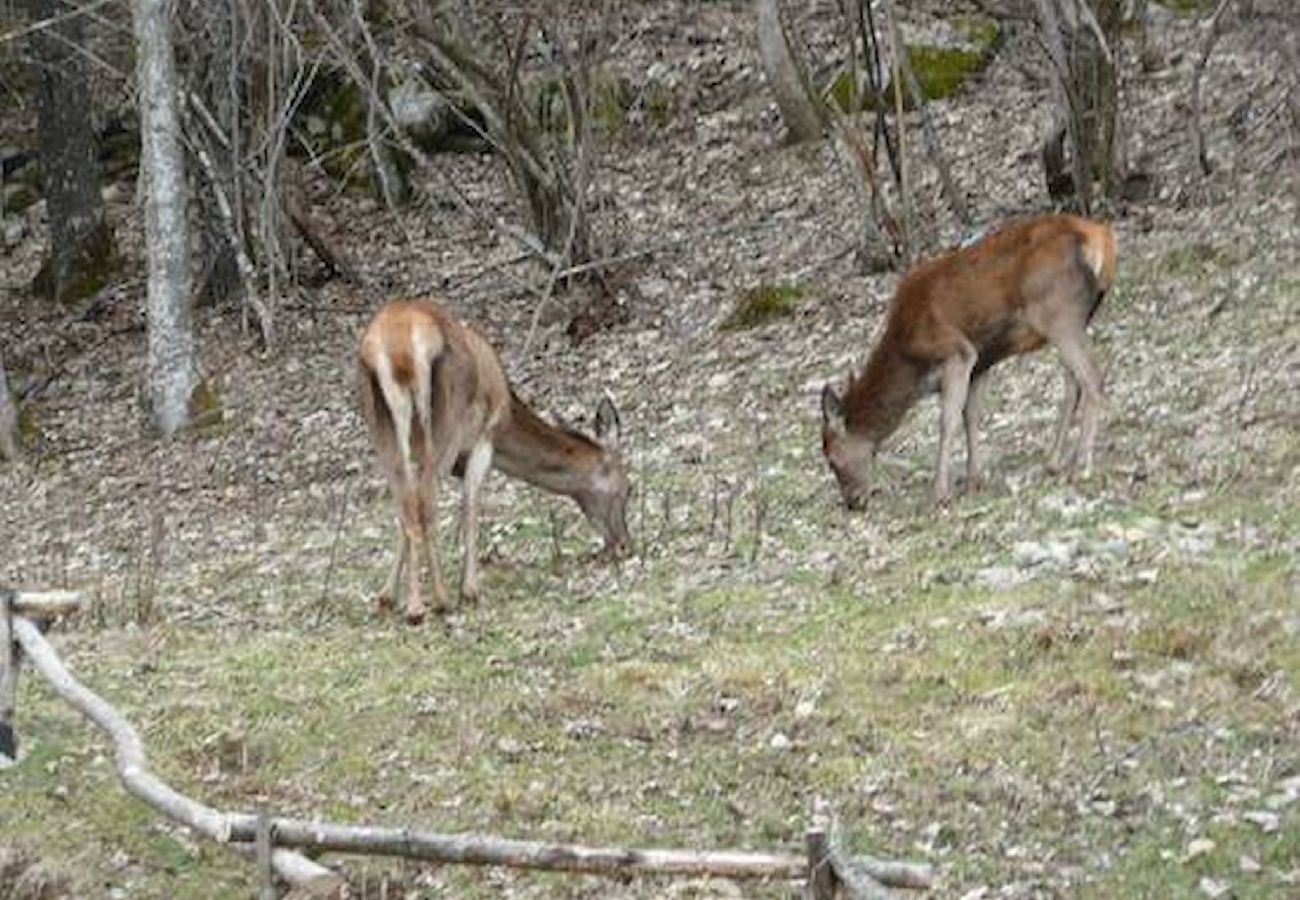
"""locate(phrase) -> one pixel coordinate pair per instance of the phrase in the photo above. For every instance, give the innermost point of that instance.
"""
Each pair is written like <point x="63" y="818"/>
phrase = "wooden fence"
<point x="280" y="844"/>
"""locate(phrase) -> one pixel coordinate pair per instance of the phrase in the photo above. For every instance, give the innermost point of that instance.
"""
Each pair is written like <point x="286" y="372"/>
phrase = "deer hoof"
<point x="384" y="603"/>
<point x="414" y="617"/>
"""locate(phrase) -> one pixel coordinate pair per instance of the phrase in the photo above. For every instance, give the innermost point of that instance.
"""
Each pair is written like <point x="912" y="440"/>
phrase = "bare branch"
<point x="1212" y="26"/>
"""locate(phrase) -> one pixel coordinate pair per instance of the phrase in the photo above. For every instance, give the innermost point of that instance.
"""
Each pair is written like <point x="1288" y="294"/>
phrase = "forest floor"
<point x="1049" y="689"/>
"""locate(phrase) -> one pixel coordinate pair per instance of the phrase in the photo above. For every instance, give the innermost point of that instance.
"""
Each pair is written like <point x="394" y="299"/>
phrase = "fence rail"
<point x="279" y="839"/>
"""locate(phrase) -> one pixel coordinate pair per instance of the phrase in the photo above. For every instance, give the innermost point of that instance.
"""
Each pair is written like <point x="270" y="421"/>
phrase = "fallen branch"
<point x="45" y="604"/>
<point x="133" y="768"/>
<point x="485" y="850"/>
<point x="247" y="833"/>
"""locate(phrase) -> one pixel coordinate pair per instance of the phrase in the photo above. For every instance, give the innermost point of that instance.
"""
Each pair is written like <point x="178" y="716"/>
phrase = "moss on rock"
<point x="941" y="71"/>
<point x="763" y="304"/>
<point x="204" y="406"/>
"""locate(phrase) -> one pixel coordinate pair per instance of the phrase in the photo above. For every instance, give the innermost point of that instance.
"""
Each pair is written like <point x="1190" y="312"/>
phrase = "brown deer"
<point x="437" y="402"/>
<point x="1034" y="282"/>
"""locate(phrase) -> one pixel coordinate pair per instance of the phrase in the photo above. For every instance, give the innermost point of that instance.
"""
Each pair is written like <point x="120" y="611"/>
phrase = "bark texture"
<point x="82" y="257"/>
<point x="789" y="83"/>
<point x="172" y="369"/>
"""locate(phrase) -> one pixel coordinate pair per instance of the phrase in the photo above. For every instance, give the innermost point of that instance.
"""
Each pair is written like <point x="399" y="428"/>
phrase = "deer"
<point x="437" y="402"/>
<point x="1035" y="282"/>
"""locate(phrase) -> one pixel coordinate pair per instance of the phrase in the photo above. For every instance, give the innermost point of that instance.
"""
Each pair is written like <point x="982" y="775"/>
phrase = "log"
<point x="485" y="850"/>
<point x="133" y="769"/>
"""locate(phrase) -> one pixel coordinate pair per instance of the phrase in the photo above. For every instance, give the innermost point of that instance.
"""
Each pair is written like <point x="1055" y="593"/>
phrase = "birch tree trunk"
<point x="82" y="256"/>
<point x="789" y="83"/>
<point x="173" y="368"/>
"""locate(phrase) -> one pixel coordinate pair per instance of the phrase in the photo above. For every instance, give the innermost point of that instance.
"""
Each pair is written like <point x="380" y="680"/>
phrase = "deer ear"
<point x="832" y="410"/>
<point x="609" y="429"/>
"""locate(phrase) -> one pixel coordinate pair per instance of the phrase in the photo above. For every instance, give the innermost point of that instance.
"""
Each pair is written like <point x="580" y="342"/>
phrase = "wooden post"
<point x="8" y="681"/>
<point x="821" y="877"/>
<point x="266" y="886"/>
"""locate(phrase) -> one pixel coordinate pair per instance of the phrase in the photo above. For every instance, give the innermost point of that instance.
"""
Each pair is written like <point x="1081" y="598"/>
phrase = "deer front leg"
<point x="955" y="385"/>
<point x="970" y="419"/>
<point x="476" y="468"/>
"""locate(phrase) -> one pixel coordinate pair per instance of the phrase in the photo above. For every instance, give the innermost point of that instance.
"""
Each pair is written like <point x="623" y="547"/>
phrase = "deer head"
<point x="849" y="455"/>
<point x="603" y="496"/>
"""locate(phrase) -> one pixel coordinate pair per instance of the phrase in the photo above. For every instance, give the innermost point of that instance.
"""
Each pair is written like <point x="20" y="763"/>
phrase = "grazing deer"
<point x="437" y="402"/>
<point x="1034" y="282"/>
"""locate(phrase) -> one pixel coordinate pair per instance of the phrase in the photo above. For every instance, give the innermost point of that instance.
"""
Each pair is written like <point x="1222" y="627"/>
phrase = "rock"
<point x="1028" y="554"/>
<point x="779" y="742"/>
<point x="1214" y="887"/>
<point x="422" y="112"/>
<point x="14" y="231"/>
<point x="999" y="577"/>
<point x="1268" y="822"/>
<point x="1199" y="847"/>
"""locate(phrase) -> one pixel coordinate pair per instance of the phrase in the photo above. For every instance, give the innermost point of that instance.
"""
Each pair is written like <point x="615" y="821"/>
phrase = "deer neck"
<point x="548" y="457"/>
<point x="877" y="400"/>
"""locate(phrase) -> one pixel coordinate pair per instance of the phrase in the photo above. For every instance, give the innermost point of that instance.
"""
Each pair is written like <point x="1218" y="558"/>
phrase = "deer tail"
<point x="431" y="400"/>
<point x="1100" y="254"/>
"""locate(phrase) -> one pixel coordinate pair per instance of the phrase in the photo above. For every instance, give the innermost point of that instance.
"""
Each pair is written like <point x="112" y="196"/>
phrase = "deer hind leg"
<point x="970" y="419"/>
<point x="432" y="470"/>
<point x="477" y="465"/>
<point x="428" y="512"/>
<point x="954" y="385"/>
<point x="405" y="487"/>
<point x="1057" y="457"/>
<point x="1078" y="360"/>
<point x="395" y="451"/>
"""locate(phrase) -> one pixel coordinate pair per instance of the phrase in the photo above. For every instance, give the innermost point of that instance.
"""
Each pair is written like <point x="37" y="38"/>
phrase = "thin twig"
<point x="1212" y="35"/>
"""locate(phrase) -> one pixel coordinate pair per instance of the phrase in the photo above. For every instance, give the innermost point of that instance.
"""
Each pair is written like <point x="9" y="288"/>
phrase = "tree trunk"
<point x="1079" y="35"/>
<point x="173" y="368"/>
<point x="799" y="110"/>
<point x="215" y="72"/>
<point x="82" y="256"/>
<point x="8" y="418"/>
